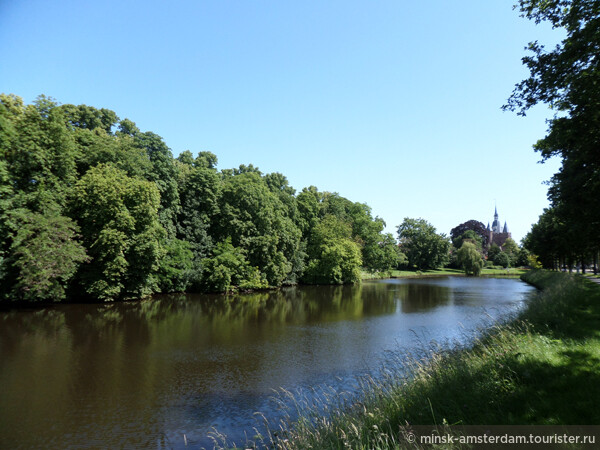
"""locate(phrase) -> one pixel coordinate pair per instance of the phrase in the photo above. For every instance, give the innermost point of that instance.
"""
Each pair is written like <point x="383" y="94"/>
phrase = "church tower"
<point x="496" y="223"/>
<point x="498" y="234"/>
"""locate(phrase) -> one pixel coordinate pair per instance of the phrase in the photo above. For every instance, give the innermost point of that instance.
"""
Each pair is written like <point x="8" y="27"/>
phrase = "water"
<point x="144" y="374"/>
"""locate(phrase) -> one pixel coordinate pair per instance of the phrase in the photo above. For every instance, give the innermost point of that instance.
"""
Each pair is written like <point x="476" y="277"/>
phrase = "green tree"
<point x="338" y="263"/>
<point x="549" y="238"/>
<point x="502" y="259"/>
<point x="511" y="248"/>
<point x="255" y="219"/>
<point x="471" y="225"/>
<point x="523" y="257"/>
<point x="163" y="173"/>
<point x="308" y="209"/>
<point x="200" y="189"/>
<point x="493" y="251"/>
<point x="41" y="154"/>
<point x="186" y="157"/>
<point x="295" y="250"/>
<point x="228" y="269"/>
<point x="470" y="259"/>
<point x="424" y="248"/>
<point x="379" y="251"/>
<point x="567" y="78"/>
<point x="45" y="254"/>
<point x="205" y="159"/>
<point x="334" y="258"/>
<point x="382" y="255"/>
<point x="11" y="108"/>
<point x="118" y="216"/>
<point x="533" y="262"/>
<point x="122" y="151"/>
<point x="88" y="117"/>
<point x="175" y="270"/>
<point x="6" y="194"/>
<point x="469" y="236"/>
<point x="149" y="222"/>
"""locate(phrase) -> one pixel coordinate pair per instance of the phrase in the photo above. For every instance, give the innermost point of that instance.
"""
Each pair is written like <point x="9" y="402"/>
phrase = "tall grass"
<point x="543" y="367"/>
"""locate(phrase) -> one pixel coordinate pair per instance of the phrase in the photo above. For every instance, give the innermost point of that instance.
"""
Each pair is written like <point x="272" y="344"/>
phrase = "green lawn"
<point x="410" y="274"/>
<point x="511" y="272"/>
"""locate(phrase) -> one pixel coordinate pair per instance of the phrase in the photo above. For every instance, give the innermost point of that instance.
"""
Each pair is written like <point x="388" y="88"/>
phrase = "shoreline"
<point x="486" y="273"/>
<point x="22" y="305"/>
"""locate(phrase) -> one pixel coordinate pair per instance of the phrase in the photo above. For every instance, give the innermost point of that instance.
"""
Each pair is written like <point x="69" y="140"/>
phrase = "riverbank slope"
<point x="542" y="368"/>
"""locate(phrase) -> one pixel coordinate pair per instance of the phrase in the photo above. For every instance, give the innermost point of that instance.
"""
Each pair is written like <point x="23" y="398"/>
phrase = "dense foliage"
<point x="423" y="246"/>
<point x="93" y="208"/>
<point x="567" y="78"/>
<point x="476" y="228"/>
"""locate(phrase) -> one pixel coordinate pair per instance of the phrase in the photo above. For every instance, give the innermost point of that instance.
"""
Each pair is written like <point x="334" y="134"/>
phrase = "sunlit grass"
<point x="510" y="272"/>
<point x="410" y="273"/>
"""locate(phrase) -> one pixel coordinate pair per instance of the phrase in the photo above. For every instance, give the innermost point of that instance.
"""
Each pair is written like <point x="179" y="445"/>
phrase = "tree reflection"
<point x="417" y="298"/>
<point x="90" y="365"/>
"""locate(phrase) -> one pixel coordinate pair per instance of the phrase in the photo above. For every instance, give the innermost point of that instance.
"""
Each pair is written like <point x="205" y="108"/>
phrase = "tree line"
<point x="567" y="78"/>
<point x="93" y="208"/>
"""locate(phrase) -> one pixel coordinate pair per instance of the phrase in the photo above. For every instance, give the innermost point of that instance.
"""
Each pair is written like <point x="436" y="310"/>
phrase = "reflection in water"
<point x="422" y="297"/>
<point x="146" y="373"/>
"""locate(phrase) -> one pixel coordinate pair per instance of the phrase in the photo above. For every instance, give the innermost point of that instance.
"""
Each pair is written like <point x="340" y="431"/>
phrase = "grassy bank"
<point x="541" y="368"/>
<point x="504" y="273"/>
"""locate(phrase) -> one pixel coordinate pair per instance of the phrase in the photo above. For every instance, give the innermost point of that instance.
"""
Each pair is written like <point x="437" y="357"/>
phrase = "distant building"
<point x="497" y="235"/>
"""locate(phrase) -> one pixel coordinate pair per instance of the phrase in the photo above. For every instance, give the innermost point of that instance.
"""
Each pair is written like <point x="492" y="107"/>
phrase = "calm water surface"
<point x="145" y="374"/>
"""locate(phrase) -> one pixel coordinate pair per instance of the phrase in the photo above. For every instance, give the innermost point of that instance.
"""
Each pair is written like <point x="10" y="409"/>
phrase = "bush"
<point x="533" y="262"/>
<point x="502" y="259"/>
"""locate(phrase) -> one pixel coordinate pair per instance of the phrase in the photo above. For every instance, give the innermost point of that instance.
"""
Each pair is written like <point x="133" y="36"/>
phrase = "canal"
<point x="148" y="373"/>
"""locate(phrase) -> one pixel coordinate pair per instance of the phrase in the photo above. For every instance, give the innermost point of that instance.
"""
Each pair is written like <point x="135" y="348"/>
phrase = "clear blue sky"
<point x="391" y="103"/>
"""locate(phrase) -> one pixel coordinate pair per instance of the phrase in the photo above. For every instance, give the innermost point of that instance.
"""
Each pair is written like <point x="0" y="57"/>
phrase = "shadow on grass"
<point x="514" y="390"/>
<point x="571" y="313"/>
<point x="565" y="392"/>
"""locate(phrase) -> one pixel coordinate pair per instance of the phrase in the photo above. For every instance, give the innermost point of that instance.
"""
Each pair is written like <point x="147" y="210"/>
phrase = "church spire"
<point x="496" y="223"/>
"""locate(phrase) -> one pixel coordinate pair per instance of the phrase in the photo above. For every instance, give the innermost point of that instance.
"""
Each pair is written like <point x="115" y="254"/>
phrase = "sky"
<point x="392" y="103"/>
